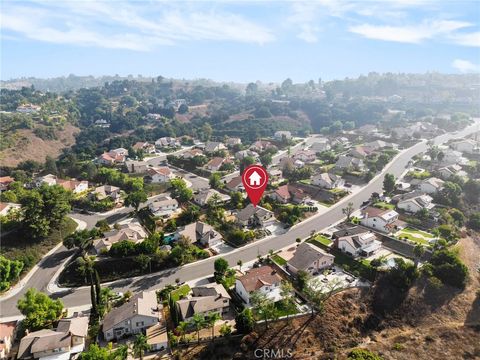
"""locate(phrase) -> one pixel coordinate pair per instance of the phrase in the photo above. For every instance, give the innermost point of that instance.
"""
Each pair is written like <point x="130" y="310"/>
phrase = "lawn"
<point x="417" y="236"/>
<point x="279" y="260"/>
<point x="182" y="291"/>
<point x="323" y="240"/>
<point x="383" y="205"/>
<point x="318" y="243"/>
<point x="282" y="310"/>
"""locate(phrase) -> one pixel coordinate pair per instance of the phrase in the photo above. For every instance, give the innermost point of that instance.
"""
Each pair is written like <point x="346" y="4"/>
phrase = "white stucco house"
<point x="379" y="219"/>
<point x="431" y="185"/>
<point x="264" y="279"/>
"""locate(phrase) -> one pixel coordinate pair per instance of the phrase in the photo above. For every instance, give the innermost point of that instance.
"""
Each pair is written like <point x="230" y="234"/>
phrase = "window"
<point x="139" y="324"/>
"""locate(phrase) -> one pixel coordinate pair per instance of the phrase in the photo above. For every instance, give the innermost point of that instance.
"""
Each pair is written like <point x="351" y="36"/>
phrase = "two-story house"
<point x="263" y="279"/>
<point x="380" y="219"/>
<point x="252" y="216"/>
<point x="357" y="241"/>
<point x="204" y="300"/>
<point x="309" y="258"/>
<point x="200" y="232"/>
<point x="135" y="316"/>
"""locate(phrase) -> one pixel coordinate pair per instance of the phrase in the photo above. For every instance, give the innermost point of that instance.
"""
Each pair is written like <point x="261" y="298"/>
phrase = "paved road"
<point x="81" y="296"/>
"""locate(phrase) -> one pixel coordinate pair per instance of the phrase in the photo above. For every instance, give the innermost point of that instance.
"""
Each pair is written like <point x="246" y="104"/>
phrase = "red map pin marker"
<point x="255" y="179"/>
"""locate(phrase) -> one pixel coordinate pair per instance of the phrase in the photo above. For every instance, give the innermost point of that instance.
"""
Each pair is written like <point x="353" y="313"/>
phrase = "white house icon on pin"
<point x="254" y="179"/>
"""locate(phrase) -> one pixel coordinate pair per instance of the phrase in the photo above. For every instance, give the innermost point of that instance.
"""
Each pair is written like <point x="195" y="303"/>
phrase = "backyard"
<point x="417" y="236"/>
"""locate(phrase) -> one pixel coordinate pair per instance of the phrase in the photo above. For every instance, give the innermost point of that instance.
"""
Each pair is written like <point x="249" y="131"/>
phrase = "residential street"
<point x="81" y="296"/>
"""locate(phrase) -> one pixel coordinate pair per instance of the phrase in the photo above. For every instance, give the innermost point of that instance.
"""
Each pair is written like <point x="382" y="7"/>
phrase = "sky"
<point x="238" y="41"/>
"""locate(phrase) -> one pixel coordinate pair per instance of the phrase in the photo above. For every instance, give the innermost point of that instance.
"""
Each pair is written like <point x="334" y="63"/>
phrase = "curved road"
<point x="81" y="296"/>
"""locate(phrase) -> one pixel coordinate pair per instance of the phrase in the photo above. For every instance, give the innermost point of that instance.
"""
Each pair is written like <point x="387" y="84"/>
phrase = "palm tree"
<point x="240" y="263"/>
<point x="182" y="329"/>
<point x="140" y="345"/>
<point x="121" y="353"/>
<point x="211" y="319"/>
<point x="198" y="322"/>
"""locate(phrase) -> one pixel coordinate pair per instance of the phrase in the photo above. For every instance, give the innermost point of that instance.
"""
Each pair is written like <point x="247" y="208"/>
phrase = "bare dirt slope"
<point x="30" y="147"/>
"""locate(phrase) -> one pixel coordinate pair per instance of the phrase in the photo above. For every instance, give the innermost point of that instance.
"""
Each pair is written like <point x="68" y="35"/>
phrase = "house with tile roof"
<point x="5" y="182"/>
<point x="159" y="175"/>
<point x="263" y="279"/>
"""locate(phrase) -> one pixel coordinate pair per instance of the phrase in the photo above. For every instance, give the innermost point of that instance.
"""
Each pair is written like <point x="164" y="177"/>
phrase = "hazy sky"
<point x="238" y="40"/>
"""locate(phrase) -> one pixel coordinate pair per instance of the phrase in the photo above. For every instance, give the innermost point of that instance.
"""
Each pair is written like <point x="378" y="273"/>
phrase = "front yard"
<point x="279" y="260"/>
<point x="179" y="293"/>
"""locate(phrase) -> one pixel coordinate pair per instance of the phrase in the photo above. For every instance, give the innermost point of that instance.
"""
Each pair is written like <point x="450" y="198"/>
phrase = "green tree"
<point x="35" y="222"/>
<point x="50" y="165"/>
<point x="215" y="181"/>
<point x="140" y="346"/>
<point x="266" y="159"/>
<point x="288" y="299"/>
<point x="198" y="322"/>
<point x="474" y="221"/>
<point x="135" y="199"/>
<point x="221" y="266"/>
<point x="180" y="191"/>
<point x="236" y="200"/>
<point x="263" y="306"/>
<point x="210" y="320"/>
<point x="182" y="329"/>
<point x="244" y="321"/>
<point x="302" y="279"/>
<point x="418" y="252"/>
<point x="143" y="261"/>
<point x="225" y="330"/>
<point x="363" y="354"/>
<point x="40" y="311"/>
<point x="389" y="183"/>
<point x="120" y="353"/>
<point x="96" y="352"/>
<point x="445" y="265"/>
<point x="9" y="271"/>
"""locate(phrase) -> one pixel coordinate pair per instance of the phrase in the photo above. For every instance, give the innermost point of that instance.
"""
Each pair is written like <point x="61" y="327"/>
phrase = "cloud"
<point x="413" y="34"/>
<point x="135" y="26"/>
<point x="467" y="39"/>
<point x="465" y="66"/>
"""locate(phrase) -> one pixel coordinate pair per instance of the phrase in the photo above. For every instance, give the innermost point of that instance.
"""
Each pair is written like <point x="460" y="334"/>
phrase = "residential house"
<point x="167" y="142"/>
<point x="360" y="152"/>
<point x="133" y="317"/>
<point x="290" y="162"/>
<point x="60" y="344"/>
<point x="163" y="206"/>
<point x="263" y="279"/>
<point x="380" y="144"/>
<point x="414" y="201"/>
<point x="242" y="154"/>
<point x="350" y="163"/>
<point x="73" y="185"/>
<point x="159" y="175"/>
<point x="320" y="144"/>
<point x="253" y="216"/>
<point x="452" y="157"/>
<point x="157" y="335"/>
<point x="7" y="336"/>
<point x="132" y="232"/>
<point x="203" y="196"/>
<point x="431" y="185"/>
<point x="327" y="180"/>
<point x="102" y="123"/>
<point x="204" y="300"/>
<point x="233" y="141"/>
<point x="190" y="154"/>
<point x="235" y="184"/>
<point x="104" y="191"/>
<point x="357" y="241"/>
<point x="379" y="219"/>
<point x="117" y="156"/>
<point x="6" y="208"/>
<point x="137" y="166"/>
<point x="305" y="156"/>
<point x="28" y="108"/>
<point x="213" y="146"/>
<point x="447" y="172"/>
<point x="49" y="180"/>
<point x="200" y="232"/>
<point x="215" y="164"/>
<point x="289" y="192"/>
<point x="5" y="182"/>
<point x="146" y="147"/>
<point x="262" y="145"/>
<point x="468" y="146"/>
<point x="309" y="258"/>
<point x="280" y="135"/>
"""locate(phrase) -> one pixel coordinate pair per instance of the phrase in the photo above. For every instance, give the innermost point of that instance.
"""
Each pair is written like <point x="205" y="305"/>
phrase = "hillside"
<point x="26" y="145"/>
<point x="447" y="328"/>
